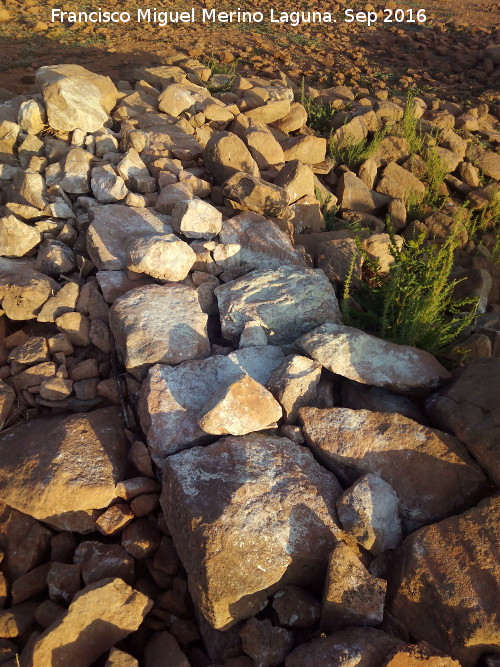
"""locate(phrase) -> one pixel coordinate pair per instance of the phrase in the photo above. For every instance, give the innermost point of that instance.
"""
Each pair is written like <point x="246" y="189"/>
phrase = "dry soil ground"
<point x="440" y="55"/>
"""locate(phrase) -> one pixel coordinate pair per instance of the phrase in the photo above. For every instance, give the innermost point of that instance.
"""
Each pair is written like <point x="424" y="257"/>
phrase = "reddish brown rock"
<point x="296" y="607"/>
<point x="30" y="584"/>
<point x="117" y="658"/>
<point x="163" y="649"/>
<point x="16" y="620"/>
<point x="419" y="655"/>
<point x="265" y="644"/>
<point x="7" y="397"/>
<point x="468" y="407"/>
<point x="444" y="584"/>
<point x="114" y="519"/>
<point x="98" y="561"/>
<point x="82" y="459"/>
<point x="430" y="471"/>
<point x="99" y="616"/>
<point x="226" y="154"/>
<point x="141" y="539"/>
<point x="260" y="513"/>
<point x="63" y="581"/>
<point x="352" y="596"/>
<point x="360" y="647"/>
<point x="24" y="541"/>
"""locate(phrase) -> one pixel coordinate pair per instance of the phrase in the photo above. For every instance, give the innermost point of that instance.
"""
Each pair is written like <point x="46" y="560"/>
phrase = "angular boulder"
<point x="75" y="98"/>
<point x="369" y="360"/>
<point x="196" y="219"/>
<point x="369" y="512"/>
<point x="99" y="616"/>
<point x="225" y="155"/>
<point x="250" y="193"/>
<point x="172" y="398"/>
<point x="262" y="245"/>
<point x="241" y="408"/>
<point x="363" y="647"/>
<point x="419" y="655"/>
<point x="248" y="515"/>
<point x="286" y="302"/>
<point x="162" y="256"/>
<point x="82" y="458"/>
<point x="158" y="324"/>
<point x="352" y="596"/>
<point x="443" y="586"/>
<point x="111" y="229"/>
<point x="430" y="471"/>
<point x="16" y="237"/>
<point x="468" y="407"/>
<point x="179" y="97"/>
<point x="355" y="195"/>
<point x="23" y="291"/>
<point x="294" y="384"/>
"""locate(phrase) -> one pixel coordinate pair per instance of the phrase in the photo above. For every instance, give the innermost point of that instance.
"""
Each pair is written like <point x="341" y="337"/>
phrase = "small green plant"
<point x="319" y="114"/>
<point x="329" y="211"/>
<point x="413" y="206"/>
<point x="228" y="69"/>
<point x="413" y="303"/>
<point x="433" y="177"/>
<point x="353" y="153"/>
<point x="408" y="127"/>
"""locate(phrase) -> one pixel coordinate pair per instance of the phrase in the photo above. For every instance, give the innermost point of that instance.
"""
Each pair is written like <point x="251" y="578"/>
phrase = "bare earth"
<point x="443" y="55"/>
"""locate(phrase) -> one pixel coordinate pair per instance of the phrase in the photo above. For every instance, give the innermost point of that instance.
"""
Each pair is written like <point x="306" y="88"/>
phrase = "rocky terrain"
<point x="201" y="461"/>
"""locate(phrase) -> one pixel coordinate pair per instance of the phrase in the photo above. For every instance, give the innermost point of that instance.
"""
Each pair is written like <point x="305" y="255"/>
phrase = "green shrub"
<point x="413" y="304"/>
<point x="319" y="114"/>
<point x="353" y="153"/>
<point x="230" y="70"/>
<point x="409" y="127"/>
<point x="433" y="177"/>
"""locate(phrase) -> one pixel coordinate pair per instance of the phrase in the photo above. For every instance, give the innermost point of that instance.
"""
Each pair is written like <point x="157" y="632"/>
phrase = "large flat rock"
<point x="112" y="227"/>
<point x="286" y="302"/>
<point x="248" y="515"/>
<point x="431" y="471"/>
<point x="369" y="360"/>
<point x="158" y="324"/>
<point x="54" y="466"/>
<point x="172" y="397"/>
<point x="444" y="584"/>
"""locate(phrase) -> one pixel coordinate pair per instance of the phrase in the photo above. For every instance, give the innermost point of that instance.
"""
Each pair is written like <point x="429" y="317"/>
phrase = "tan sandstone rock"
<point x="99" y="616"/>
<point x="243" y="407"/>
<point x="248" y="515"/>
<point x="370" y="360"/>
<point x="285" y="302"/>
<point x="85" y="453"/>
<point x="158" y="324"/>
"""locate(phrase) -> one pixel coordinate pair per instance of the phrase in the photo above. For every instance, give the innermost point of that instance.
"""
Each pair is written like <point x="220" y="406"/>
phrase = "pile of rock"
<point x="200" y="463"/>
